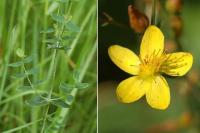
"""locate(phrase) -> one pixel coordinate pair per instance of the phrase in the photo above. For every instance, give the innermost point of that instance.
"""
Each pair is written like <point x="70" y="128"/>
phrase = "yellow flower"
<point x="148" y="67"/>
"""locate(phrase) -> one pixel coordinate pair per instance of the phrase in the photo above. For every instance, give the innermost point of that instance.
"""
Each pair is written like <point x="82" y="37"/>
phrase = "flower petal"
<point x="158" y="95"/>
<point x="124" y="59"/>
<point x="152" y="42"/>
<point x="132" y="89"/>
<point x="177" y="64"/>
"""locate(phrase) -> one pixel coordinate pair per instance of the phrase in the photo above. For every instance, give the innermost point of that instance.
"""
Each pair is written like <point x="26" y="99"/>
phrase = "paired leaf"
<point x="16" y="64"/>
<point x="27" y="59"/>
<point x="19" y="75"/>
<point x="32" y="71"/>
<point x="20" y="63"/>
<point x="58" y="18"/>
<point x="66" y="88"/>
<point x="37" y="101"/>
<point x="54" y="46"/>
<point x="70" y="98"/>
<point x="71" y="26"/>
<point x="60" y="103"/>
<point x="76" y="75"/>
<point x="82" y="85"/>
<point x="24" y="88"/>
<point x="52" y="41"/>
<point x="61" y="1"/>
<point x="50" y="30"/>
<point x="39" y="82"/>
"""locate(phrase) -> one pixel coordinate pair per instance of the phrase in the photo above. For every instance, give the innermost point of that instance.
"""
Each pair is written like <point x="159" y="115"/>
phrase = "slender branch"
<point x="51" y="90"/>
<point x="153" y="14"/>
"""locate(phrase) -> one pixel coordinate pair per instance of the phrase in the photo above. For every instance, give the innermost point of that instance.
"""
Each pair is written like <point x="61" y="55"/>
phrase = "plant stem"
<point x="53" y="65"/>
<point x="153" y="15"/>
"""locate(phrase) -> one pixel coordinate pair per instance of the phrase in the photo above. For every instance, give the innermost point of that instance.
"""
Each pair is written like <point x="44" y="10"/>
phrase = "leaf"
<point x="67" y="37"/>
<point x="19" y="75"/>
<point x="76" y="75"/>
<point x="72" y="27"/>
<point x="62" y="1"/>
<point x="39" y="82"/>
<point x="70" y="98"/>
<point x="20" y="63"/>
<point x="66" y="48"/>
<point x="82" y="85"/>
<point x="28" y="59"/>
<point x="50" y="41"/>
<point x="24" y="88"/>
<point x="16" y="64"/>
<point x="58" y="18"/>
<point x="37" y="101"/>
<point x="66" y="88"/>
<point x="60" y="103"/>
<point x="49" y="46"/>
<point x="32" y="71"/>
<point x="52" y="7"/>
<point x="20" y="53"/>
<point x="50" y="30"/>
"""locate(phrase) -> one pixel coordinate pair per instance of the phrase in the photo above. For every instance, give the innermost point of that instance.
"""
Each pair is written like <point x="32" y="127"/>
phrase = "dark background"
<point x="138" y="117"/>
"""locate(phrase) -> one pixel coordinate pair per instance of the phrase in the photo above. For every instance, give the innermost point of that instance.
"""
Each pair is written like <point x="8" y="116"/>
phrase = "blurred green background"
<point x="182" y="116"/>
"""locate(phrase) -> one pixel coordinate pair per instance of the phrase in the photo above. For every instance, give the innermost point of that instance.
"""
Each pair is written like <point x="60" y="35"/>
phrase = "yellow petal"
<point x="158" y="95"/>
<point x="124" y="59"/>
<point x="131" y="89"/>
<point x="152" y="42"/>
<point x="177" y="64"/>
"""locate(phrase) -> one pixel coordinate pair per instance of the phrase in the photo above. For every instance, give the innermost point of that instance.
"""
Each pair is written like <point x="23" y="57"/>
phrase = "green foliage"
<point x="36" y="101"/>
<point x="20" y="53"/>
<point x="51" y="35"/>
<point x="60" y="103"/>
<point x="50" y="30"/>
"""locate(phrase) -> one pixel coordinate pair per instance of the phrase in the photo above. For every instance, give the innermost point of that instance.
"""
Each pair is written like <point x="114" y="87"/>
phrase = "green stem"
<point x="53" y="64"/>
<point x="153" y="15"/>
<point x="7" y="55"/>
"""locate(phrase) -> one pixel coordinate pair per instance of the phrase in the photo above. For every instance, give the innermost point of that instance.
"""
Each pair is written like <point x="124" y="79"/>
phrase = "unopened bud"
<point x="170" y="46"/>
<point x="176" y="24"/>
<point x="185" y="119"/>
<point x="138" y="21"/>
<point x="193" y="76"/>
<point x="174" y="6"/>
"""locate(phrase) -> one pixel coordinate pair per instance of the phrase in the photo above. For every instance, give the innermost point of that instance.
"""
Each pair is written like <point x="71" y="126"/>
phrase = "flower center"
<point x="151" y="64"/>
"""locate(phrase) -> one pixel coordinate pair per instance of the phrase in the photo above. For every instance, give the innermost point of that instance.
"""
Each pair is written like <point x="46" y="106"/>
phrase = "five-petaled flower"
<point x="147" y="68"/>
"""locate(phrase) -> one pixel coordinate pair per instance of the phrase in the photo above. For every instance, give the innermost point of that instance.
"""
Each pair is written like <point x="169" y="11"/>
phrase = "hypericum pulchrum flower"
<point x="147" y="68"/>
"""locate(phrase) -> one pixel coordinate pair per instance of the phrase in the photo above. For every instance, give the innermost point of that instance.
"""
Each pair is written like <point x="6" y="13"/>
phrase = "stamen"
<point x="171" y="64"/>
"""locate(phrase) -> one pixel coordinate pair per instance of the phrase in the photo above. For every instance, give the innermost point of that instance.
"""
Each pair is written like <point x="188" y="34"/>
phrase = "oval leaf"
<point x="66" y="88"/>
<point x="82" y="85"/>
<point x="60" y="103"/>
<point x="37" y="101"/>
<point x="16" y="64"/>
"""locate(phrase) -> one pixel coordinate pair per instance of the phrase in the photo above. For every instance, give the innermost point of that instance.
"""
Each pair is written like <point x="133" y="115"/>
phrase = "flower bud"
<point x="193" y="76"/>
<point x="176" y="24"/>
<point x="174" y="6"/>
<point x="138" y="21"/>
<point x="170" y="46"/>
<point x="185" y="119"/>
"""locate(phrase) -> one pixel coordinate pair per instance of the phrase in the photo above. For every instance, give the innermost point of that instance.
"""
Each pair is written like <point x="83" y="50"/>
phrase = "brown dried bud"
<point x="193" y="76"/>
<point x="147" y="1"/>
<point x="176" y="24"/>
<point x="170" y="46"/>
<point x="138" y="21"/>
<point x="174" y="6"/>
<point x="185" y="119"/>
